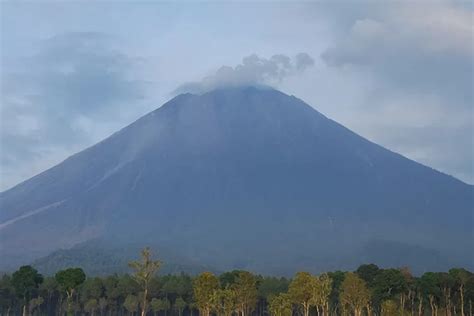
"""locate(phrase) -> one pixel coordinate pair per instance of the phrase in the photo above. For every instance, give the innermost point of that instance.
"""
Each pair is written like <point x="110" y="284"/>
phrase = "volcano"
<point x="247" y="178"/>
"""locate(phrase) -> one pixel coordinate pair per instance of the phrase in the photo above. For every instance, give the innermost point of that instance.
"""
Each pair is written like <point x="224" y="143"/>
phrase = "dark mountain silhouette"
<point x="244" y="178"/>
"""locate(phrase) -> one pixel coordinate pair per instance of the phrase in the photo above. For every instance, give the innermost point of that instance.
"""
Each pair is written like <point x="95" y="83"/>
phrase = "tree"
<point x="166" y="305"/>
<point x="301" y="290"/>
<point x="409" y="292"/>
<point x="35" y="303"/>
<point x="131" y="304"/>
<point x="158" y="305"/>
<point x="271" y="286"/>
<point x="429" y="286"/>
<point x="102" y="305"/>
<point x="91" y="289"/>
<point x="91" y="306"/>
<point x="204" y="286"/>
<point x="144" y="270"/>
<point x="69" y="280"/>
<point x="446" y="283"/>
<point x="280" y="305"/>
<point x="223" y="301"/>
<point x="337" y="278"/>
<point x="49" y="290"/>
<point x="388" y="284"/>
<point x="227" y="279"/>
<point x="321" y="292"/>
<point x="245" y="288"/>
<point x="368" y="273"/>
<point x="389" y="308"/>
<point x="7" y="295"/>
<point x="469" y="294"/>
<point x="26" y="280"/>
<point x="180" y="305"/>
<point x="354" y="293"/>
<point x="461" y="277"/>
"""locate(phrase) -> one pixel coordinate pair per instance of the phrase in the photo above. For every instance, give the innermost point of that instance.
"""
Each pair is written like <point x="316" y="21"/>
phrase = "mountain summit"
<point x="246" y="178"/>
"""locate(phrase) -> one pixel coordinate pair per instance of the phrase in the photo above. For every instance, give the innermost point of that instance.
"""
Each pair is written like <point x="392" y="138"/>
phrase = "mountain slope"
<point x="243" y="178"/>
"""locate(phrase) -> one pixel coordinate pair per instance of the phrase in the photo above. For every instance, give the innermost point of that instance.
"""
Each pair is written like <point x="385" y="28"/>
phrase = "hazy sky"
<point x="398" y="73"/>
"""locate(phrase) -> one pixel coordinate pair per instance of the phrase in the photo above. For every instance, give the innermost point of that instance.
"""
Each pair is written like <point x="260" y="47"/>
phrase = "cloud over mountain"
<point x="253" y="70"/>
<point x="418" y="61"/>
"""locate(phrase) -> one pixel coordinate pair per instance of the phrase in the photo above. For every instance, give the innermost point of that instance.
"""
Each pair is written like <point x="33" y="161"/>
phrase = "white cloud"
<point x="253" y="70"/>
<point x="72" y="92"/>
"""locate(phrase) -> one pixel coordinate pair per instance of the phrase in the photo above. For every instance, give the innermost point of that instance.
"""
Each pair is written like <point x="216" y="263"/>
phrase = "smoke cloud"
<point x="253" y="70"/>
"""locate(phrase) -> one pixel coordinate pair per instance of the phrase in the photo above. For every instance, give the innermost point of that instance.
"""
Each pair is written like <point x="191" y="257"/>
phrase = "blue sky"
<point x="398" y="73"/>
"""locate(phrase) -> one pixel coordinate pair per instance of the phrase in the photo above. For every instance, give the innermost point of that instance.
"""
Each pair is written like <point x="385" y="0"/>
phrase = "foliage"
<point x="389" y="308"/>
<point x="280" y="305"/>
<point x="301" y="290"/>
<point x="144" y="270"/>
<point x="204" y="287"/>
<point x="245" y="289"/>
<point x="131" y="303"/>
<point x="179" y="305"/>
<point x="70" y="279"/>
<point x="25" y="280"/>
<point x="354" y="293"/>
<point x="367" y="291"/>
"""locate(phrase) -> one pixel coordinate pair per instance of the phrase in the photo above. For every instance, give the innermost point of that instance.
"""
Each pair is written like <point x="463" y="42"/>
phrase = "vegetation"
<point x="369" y="290"/>
<point x="143" y="273"/>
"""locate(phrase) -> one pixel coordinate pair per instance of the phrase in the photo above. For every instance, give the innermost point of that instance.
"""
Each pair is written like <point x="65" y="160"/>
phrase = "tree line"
<point x="369" y="290"/>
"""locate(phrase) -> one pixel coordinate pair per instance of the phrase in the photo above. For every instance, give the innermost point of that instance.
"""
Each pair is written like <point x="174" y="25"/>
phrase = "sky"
<point x="73" y="72"/>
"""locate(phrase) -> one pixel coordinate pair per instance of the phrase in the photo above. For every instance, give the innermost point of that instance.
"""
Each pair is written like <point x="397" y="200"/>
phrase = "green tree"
<point x="227" y="279"/>
<point x="354" y="293"/>
<point x="301" y="290"/>
<point x="368" y="273"/>
<point x="204" y="286"/>
<point x="92" y="288"/>
<point x="49" y="289"/>
<point x="166" y="305"/>
<point x="337" y="278"/>
<point x="158" y="305"/>
<point x="271" y="286"/>
<point x="280" y="305"/>
<point x="25" y="281"/>
<point x="34" y="304"/>
<point x="409" y="292"/>
<point x="91" y="306"/>
<point x="461" y="278"/>
<point x="180" y="305"/>
<point x="429" y="286"/>
<point x="469" y="294"/>
<point x="447" y="283"/>
<point x="389" y="308"/>
<point x="174" y="286"/>
<point x="321" y="292"/>
<point x="102" y="305"/>
<point x="245" y="288"/>
<point x="223" y="301"/>
<point x="111" y="292"/>
<point x="7" y="295"/>
<point x="69" y="280"/>
<point x="131" y="304"/>
<point x="388" y="284"/>
<point x="144" y="271"/>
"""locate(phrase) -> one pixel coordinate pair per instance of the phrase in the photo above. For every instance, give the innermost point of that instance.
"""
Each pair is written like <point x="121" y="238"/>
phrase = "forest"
<point x="369" y="290"/>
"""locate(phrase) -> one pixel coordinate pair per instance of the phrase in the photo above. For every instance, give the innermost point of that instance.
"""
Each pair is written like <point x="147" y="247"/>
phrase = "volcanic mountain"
<point x="246" y="178"/>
